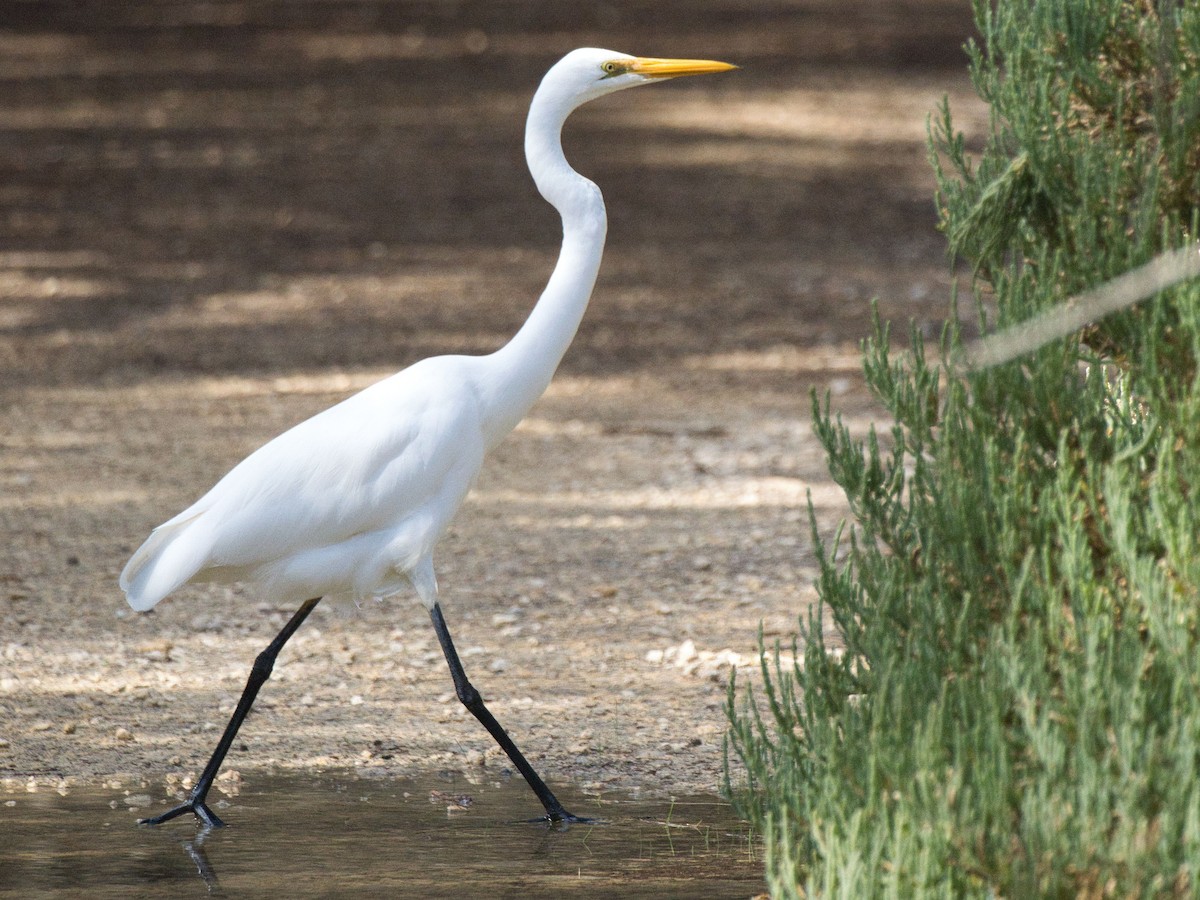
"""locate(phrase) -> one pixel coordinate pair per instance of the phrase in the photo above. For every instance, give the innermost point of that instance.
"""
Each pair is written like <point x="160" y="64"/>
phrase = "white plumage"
<point x="346" y="504"/>
<point x="350" y="503"/>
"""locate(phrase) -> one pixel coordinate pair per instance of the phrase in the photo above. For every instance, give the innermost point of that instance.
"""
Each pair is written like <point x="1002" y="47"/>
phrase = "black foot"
<point x="560" y="818"/>
<point x="198" y="808"/>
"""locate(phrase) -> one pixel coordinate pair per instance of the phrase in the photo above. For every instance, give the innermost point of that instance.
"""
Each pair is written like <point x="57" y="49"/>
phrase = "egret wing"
<point x="363" y="465"/>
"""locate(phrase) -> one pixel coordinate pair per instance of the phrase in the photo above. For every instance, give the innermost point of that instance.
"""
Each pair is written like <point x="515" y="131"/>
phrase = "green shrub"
<point x="1016" y="712"/>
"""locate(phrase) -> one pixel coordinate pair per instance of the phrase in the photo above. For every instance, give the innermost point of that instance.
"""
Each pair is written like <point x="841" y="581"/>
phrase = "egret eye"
<point x="611" y="68"/>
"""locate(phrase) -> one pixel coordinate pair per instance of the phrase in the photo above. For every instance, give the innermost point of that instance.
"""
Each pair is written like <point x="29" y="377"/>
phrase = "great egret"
<point x="350" y="503"/>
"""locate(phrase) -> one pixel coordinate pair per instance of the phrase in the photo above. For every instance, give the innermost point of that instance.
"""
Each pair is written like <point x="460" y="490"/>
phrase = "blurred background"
<point x="254" y="187"/>
<point x="217" y="218"/>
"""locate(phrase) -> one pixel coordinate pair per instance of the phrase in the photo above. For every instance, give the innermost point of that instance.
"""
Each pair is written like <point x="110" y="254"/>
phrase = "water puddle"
<point x="342" y="836"/>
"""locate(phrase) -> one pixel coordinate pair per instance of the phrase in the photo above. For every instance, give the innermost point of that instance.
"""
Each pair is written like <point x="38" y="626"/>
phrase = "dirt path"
<point x="218" y="224"/>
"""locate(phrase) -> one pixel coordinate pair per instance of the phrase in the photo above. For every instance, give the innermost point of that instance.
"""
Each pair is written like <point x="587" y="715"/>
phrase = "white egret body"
<point x="350" y="503"/>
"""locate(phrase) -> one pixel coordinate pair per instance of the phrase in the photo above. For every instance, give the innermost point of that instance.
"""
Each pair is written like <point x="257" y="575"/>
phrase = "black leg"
<point x="472" y="700"/>
<point x="259" y="673"/>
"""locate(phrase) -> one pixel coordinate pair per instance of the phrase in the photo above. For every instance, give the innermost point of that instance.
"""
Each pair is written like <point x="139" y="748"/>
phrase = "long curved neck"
<point x="520" y="371"/>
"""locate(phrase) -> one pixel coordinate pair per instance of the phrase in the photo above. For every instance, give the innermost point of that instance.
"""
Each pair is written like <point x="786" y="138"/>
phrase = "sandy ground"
<point x="219" y="218"/>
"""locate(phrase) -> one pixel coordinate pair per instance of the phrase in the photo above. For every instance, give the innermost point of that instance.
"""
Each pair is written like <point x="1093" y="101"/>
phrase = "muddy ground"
<point x="219" y="218"/>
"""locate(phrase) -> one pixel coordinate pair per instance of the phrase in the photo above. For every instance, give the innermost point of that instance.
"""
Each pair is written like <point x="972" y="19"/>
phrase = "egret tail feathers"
<point x="174" y="552"/>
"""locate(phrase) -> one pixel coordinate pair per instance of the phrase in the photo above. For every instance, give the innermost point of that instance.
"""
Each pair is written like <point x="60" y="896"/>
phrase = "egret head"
<point x="578" y="77"/>
<point x="588" y="73"/>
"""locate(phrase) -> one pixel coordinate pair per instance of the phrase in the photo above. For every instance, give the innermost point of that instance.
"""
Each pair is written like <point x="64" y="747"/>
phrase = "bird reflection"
<point x="204" y="868"/>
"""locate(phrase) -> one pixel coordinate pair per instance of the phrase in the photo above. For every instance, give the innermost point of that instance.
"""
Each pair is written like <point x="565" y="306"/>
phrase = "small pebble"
<point x="686" y="651"/>
<point x="461" y="801"/>
<point x="124" y="734"/>
<point x="475" y="758"/>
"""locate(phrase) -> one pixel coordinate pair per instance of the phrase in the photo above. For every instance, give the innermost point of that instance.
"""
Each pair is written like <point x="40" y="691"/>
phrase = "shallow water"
<point x="335" y="836"/>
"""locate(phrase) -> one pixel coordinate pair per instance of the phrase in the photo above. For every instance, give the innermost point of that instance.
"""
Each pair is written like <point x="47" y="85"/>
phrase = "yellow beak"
<point x="673" y="68"/>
